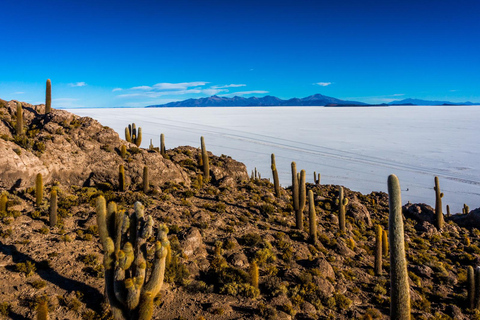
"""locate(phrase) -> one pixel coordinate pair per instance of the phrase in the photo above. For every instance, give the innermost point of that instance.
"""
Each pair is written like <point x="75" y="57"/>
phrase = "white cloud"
<point x="323" y="84"/>
<point x="141" y="88"/>
<point x="117" y="89"/>
<point x="19" y="92"/>
<point x="77" y="84"/>
<point x="242" y="93"/>
<point x="229" y="86"/>
<point x="212" y="92"/>
<point x="398" y="94"/>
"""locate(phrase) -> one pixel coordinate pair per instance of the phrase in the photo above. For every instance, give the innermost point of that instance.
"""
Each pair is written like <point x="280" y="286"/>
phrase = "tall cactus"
<point x="48" y="97"/>
<point x="42" y="310"/>
<point x="53" y="208"/>
<point x="400" y="290"/>
<point x="378" y="250"/>
<point x="465" y="209"/>
<point x="385" y="243"/>
<point x="121" y="178"/>
<point x="448" y="211"/>
<point x="19" y="126"/>
<point x="3" y="203"/>
<point x="254" y="274"/>
<point x="471" y="287"/>
<point x="302" y="199"/>
<point x="128" y="134"/>
<point x="138" y="139"/>
<point x="438" y="205"/>
<point x="477" y="288"/>
<point x="123" y="151"/>
<point x="342" y="203"/>
<point x="39" y="189"/>
<point x="206" y="166"/>
<point x="162" y="145"/>
<point x="312" y="217"/>
<point x="146" y="185"/>
<point x="315" y="179"/>
<point x="295" y="189"/>
<point x="124" y="241"/>
<point x="276" y="183"/>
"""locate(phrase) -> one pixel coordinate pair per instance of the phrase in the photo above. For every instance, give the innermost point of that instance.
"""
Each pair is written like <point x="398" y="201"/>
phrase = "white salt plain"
<point x="356" y="147"/>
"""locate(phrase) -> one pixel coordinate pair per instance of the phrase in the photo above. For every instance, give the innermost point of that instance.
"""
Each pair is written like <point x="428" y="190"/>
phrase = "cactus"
<point x="400" y="291"/>
<point x="124" y="241"/>
<point x="145" y="179"/>
<point x="151" y="147"/>
<point x="48" y="97"/>
<point x="465" y="209"/>
<point x="312" y="217"/>
<point x="477" y="288"/>
<point x="162" y="145"/>
<point x="121" y="178"/>
<point x="19" y="127"/>
<point x="39" y="189"/>
<point x="254" y="274"/>
<point x="53" y="208"/>
<point x="206" y="167"/>
<point x="42" y="310"/>
<point x="302" y="199"/>
<point x="342" y="203"/>
<point x="448" y="211"/>
<point x="132" y="135"/>
<point x="385" y="243"/>
<point x="438" y="205"/>
<point x="295" y="187"/>
<point x="276" y="183"/>
<point x="3" y="203"/>
<point x="378" y="250"/>
<point x="123" y="151"/>
<point x="128" y="135"/>
<point x="317" y="181"/>
<point x="471" y="287"/>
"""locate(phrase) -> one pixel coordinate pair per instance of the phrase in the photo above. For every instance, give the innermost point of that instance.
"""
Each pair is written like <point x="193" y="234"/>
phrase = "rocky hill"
<point x="217" y="229"/>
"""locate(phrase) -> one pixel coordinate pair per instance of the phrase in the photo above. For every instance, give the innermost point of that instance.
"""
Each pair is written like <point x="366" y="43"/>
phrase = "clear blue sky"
<point x="134" y="53"/>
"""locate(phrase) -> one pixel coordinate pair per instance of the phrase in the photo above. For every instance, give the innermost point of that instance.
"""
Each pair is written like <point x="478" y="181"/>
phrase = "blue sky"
<point x="136" y="53"/>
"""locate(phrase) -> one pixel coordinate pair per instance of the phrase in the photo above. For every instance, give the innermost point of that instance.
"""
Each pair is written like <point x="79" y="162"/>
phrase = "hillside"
<point x="216" y="230"/>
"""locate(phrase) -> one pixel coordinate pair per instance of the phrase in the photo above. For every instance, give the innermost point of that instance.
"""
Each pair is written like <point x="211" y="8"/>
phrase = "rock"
<point x="357" y="210"/>
<point x="455" y="312"/>
<point x="325" y="287"/>
<point x="422" y="271"/>
<point x="239" y="260"/>
<point x="419" y="212"/>
<point x="324" y="267"/>
<point x="192" y="244"/>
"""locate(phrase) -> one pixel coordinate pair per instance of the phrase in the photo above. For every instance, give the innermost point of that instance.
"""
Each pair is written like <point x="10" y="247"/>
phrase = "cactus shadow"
<point x="15" y="316"/>
<point x="95" y="297"/>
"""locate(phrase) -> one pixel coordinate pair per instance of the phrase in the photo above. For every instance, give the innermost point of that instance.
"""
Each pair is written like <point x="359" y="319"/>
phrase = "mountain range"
<point x="313" y="100"/>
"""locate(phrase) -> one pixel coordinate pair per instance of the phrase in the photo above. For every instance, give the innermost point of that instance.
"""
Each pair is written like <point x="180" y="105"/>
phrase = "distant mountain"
<point x="419" y="102"/>
<point x="216" y="101"/>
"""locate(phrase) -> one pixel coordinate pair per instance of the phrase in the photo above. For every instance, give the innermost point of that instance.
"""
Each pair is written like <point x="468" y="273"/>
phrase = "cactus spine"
<point x="39" y="189"/>
<point x="385" y="243"/>
<point x="276" y="183"/>
<point x="121" y="178"/>
<point x="342" y="203"/>
<point x="53" y="208"/>
<point x="162" y="145"/>
<point x="3" y="203"/>
<point x="438" y="205"/>
<point x="254" y="274"/>
<point x="471" y="287"/>
<point x="19" y="127"/>
<point x="145" y="179"/>
<point x="206" y="167"/>
<point x="315" y="179"/>
<point x="48" y="97"/>
<point x="312" y="217"/>
<point x="400" y="290"/>
<point x="124" y="241"/>
<point x="378" y="250"/>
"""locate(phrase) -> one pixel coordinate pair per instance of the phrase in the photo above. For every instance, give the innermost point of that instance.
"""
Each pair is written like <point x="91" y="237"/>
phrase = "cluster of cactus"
<point x="299" y="191"/>
<point x="465" y="209"/>
<point x="124" y="240"/>
<point x="276" y="183"/>
<point x="312" y="217"/>
<point x="341" y="202"/>
<point x="438" y="205"/>
<point x="133" y="135"/>
<point x="399" y="286"/>
<point x="316" y="178"/>
<point x="162" y="145"/>
<point x="206" y="166"/>
<point x="48" y="97"/>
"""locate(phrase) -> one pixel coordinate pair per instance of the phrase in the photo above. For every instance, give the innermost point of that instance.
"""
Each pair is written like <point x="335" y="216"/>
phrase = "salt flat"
<point x="357" y="147"/>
